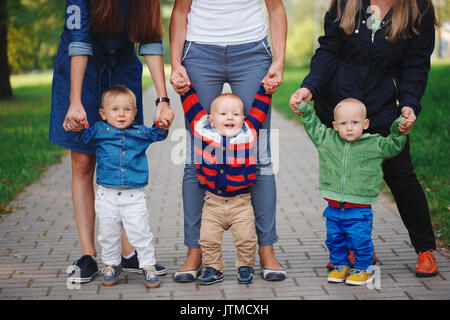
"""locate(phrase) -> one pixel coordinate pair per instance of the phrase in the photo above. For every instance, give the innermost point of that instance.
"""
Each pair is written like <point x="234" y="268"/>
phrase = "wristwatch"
<point x="162" y="99"/>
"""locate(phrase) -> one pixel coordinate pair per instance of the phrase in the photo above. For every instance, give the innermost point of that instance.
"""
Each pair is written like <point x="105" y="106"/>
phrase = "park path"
<point x="39" y="241"/>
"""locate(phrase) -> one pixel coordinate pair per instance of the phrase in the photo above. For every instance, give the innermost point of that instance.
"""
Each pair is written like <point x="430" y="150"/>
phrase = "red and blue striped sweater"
<point x="225" y="166"/>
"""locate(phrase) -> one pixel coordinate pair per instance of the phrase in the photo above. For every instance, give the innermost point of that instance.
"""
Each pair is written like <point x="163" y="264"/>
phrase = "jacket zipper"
<point x="344" y="169"/>
<point x="396" y="92"/>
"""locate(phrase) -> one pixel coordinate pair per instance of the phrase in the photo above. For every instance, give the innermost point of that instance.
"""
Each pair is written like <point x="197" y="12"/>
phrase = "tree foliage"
<point x="305" y="24"/>
<point x="34" y="29"/>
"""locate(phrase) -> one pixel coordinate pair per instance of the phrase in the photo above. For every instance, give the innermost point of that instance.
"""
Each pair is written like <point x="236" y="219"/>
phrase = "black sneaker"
<point x="132" y="265"/>
<point x="83" y="270"/>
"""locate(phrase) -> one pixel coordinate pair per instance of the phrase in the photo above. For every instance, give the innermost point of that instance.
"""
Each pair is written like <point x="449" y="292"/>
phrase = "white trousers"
<point x="127" y="207"/>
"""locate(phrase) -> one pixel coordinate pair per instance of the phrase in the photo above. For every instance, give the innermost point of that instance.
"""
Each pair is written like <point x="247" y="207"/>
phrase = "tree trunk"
<point x="5" y="86"/>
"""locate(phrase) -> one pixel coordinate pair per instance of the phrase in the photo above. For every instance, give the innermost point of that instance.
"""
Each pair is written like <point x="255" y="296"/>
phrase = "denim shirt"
<point x="120" y="154"/>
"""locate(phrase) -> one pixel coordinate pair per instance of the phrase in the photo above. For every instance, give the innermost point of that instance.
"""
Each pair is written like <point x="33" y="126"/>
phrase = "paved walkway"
<point x="40" y="240"/>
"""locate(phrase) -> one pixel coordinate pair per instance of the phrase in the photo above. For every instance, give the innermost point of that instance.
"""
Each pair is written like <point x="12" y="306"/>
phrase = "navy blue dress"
<point x="112" y="60"/>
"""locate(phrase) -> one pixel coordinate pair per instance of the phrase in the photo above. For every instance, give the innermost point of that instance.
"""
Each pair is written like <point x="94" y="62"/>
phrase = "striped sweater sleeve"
<point x="260" y="107"/>
<point x="192" y="107"/>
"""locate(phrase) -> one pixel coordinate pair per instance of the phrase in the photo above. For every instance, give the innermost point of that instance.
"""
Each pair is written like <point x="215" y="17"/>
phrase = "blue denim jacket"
<point x="120" y="154"/>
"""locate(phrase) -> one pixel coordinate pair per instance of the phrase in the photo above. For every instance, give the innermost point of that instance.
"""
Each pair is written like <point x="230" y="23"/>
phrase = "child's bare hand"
<point x="164" y="115"/>
<point x="408" y="119"/>
<point x="180" y="80"/>
<point x="75" y="119"/>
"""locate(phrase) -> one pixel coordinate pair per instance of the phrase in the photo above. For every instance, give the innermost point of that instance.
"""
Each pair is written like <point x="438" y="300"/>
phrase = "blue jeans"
<point x="349" y="229"/>
<point x="242" y="67"/>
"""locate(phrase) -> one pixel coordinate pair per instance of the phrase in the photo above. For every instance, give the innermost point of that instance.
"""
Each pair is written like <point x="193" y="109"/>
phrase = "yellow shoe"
<point x="358" y="277"/>
<point x="338" y="274"/>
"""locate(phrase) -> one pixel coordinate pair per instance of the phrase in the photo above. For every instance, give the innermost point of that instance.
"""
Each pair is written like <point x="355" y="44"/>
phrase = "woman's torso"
<point x="369" y="68"/>
<point x="226" y="22"/>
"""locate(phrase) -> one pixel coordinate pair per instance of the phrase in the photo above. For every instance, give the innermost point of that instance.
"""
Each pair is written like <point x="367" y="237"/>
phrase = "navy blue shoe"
<point x="210" y="276"/>
<point x="132" y="265"/>
<point x="151" y="277"/>
<point x="273" y="275"/>
<point x="187" y="275"/>
<point x="245" y="275"/>
<point x="83" y="270"/>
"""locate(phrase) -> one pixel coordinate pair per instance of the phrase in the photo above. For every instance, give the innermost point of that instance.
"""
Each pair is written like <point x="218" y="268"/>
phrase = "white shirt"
<point x="226" y="22"/>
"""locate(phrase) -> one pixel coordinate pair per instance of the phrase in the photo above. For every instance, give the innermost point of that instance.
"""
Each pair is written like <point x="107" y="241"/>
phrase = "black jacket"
<point x="384" y="75"/>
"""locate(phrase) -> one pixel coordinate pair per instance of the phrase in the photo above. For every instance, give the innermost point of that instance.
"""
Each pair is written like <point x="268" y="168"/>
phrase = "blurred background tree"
<point x="33" y="33"/>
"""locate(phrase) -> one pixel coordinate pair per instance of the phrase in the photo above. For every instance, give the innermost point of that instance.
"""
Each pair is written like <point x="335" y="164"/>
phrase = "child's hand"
<point x="164" y="116"/>
<point x="408" y="120"/>
<point x="274" y="77"/>
<point x="75" y="119"/>
<point x="180" y="80"/>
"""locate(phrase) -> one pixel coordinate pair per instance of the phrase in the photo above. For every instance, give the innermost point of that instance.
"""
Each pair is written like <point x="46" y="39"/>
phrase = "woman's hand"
<point x="76" y="118"/>
<point x="409" y="118"/>
<point x="302" y="94"/>
<point x="180" y="80"/>
<point x="164" y="115"/>
<point x="273" y="78"/>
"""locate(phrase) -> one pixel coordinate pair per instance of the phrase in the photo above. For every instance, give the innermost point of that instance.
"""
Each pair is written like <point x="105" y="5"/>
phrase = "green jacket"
<point x="350" y="171"/>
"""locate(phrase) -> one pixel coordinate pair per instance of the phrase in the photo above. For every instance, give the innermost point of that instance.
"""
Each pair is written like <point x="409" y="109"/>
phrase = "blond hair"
<point x="348" y="101"/>
<point x="116" y="90"/>
<point x="406" y="17"/>
<point x="226" y="95"/>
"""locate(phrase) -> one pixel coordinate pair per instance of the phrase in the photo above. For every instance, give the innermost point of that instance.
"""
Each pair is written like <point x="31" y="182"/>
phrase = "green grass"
<point x="430" y="140"/>
<point x="24" y="120"/>
<point x="430" y="149"/>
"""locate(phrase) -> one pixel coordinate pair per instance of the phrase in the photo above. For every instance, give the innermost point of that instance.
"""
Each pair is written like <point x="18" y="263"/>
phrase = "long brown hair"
<point x="406" y="17"/>
<point x="143" y="22"/>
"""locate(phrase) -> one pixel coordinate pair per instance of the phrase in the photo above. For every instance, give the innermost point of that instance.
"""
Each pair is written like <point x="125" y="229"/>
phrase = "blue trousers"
<point x="242" y="67"/>
<point x="349" y="229"/>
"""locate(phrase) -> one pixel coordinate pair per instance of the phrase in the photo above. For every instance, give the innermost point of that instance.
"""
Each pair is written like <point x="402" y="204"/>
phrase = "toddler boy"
<point x="225" y="158"/>
<point x="350" y="177"/>
<point x="122" y="173"/>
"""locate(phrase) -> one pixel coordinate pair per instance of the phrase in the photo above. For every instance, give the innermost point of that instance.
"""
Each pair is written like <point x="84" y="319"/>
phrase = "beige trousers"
<point x="223" y="213"/>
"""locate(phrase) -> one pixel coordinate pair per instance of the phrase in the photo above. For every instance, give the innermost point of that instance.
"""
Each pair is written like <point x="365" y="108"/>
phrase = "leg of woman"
<point x="244" y="82"/>
<point x="411" y="201"/>
<point x="205" y="73"/>
<point x="409" y="196"/>
<point x="83" y="169"/>
<point x="413" y="207"/>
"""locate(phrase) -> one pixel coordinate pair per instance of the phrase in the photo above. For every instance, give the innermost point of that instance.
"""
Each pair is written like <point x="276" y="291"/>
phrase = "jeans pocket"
<point x="187" y="47"/>
<point x="266" y="46"/>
